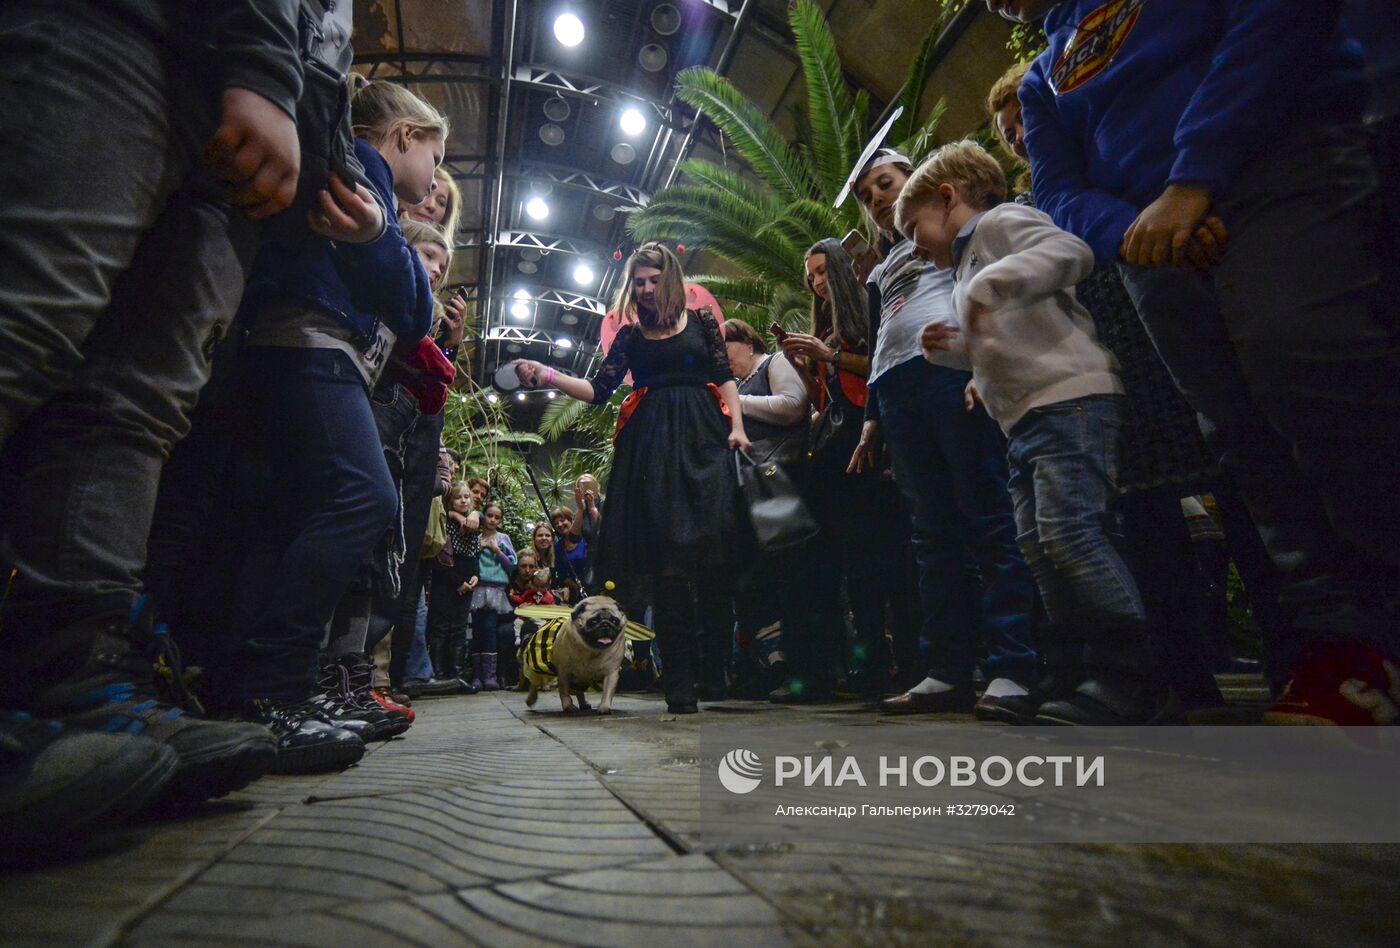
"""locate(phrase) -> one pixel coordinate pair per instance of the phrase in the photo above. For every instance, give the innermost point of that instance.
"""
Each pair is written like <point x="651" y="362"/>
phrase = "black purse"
<point x="838" y="421"/>
<point x="777" y="512"/>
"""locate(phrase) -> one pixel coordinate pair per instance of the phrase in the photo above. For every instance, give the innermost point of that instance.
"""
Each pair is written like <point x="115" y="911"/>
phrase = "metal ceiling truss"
<point x="507" y="334"/>
<point x="546" y="243"/>
<point x="562" y="298"/>
<point x="579" y="180"/>
<point x="595" y="90"/>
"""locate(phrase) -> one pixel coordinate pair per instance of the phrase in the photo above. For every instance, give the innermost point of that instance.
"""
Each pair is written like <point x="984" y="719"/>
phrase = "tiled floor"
<point x="490" y="824"/>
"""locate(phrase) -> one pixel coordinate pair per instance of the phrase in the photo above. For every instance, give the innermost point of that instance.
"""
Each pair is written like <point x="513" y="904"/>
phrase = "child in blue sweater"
<point x="1214" y="149"/>
<point x="321" y="326"/>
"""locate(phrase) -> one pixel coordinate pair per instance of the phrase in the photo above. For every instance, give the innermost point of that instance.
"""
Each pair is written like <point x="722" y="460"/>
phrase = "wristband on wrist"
<point x="836" y="358"/>
<point x="549" y="379"/>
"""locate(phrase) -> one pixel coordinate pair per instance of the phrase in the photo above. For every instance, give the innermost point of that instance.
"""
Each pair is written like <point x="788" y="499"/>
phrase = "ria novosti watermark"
<point x="1227" y="784"/>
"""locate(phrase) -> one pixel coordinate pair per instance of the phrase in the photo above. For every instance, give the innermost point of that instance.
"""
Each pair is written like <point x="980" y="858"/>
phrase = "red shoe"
<point x="381" y="696"/>
<point x="1342" y="683"/>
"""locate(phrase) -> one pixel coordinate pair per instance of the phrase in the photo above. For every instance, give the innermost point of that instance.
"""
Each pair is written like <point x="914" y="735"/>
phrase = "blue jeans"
<point x="1064" y="468"/>
<point x="950" y="466"/>
<point x="1296" y="381"/>
<point x="417" y="667"/>
<point x="316" y="495"/>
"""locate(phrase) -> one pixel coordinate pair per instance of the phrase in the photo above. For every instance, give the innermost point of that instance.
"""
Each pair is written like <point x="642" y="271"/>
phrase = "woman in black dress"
<point x="673" y="526"/>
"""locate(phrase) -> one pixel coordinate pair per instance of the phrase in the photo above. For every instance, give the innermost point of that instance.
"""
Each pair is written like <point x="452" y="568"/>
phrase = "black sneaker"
<point x="1112" y="702"/>
<point x="307" y="742"/>
<point x="115" y="692"/>
<point x="56" y="784"/>
<point x="340" y="702"/>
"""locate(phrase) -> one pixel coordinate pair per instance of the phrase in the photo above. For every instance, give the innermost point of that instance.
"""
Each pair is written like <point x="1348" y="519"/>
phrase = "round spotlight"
<point x="652" y="57"/>
<point x="530" y="253"/>
<point x="665" y="19"/>
<point x="537" y="208"/>
<point x="568" y="29"/>
<point x="564" y="342"/>
<point x="604" y="212"/>
<point x="550" y="394"/>
<point x="583" y="274"/>
<point x="568" y="319"/>
<point x="521" y="294"/>
<point x="492" y="397"/>
<point x="520" y="310"/>
<point x="519" y="396"/>
<point x="633" y="122"/>
<point x="623" y="153"/>
<point x="513" y="347"/>
<point x="551" y="135"/>
<point x="557" y="109"/>
<point x="527" y="266"/>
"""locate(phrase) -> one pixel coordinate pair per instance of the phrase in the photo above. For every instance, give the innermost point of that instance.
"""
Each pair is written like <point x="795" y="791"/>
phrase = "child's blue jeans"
<point x="1064" y="465"/>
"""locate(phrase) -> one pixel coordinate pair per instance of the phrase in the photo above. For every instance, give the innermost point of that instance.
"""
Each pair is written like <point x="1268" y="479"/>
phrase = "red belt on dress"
<point x="630" y="403"/>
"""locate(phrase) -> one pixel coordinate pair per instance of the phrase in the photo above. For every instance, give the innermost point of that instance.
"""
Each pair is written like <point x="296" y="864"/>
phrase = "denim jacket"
<point x="359" y="284"/>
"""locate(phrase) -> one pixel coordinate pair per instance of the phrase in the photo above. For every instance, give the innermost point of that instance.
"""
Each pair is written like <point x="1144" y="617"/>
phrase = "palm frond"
<point x="920" y="144"/>
<point x="722" y="179"/>
<point x="828" y="100"/>
<point x="751" y="132"/>
<point x="746" y="292"/>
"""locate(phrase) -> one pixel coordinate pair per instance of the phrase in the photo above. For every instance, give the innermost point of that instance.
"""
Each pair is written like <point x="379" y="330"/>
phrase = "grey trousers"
<point x="1296" y="380"/>
<point x="120" y="269"/>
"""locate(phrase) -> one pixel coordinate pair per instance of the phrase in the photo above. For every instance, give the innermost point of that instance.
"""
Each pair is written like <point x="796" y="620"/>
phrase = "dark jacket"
<point x="359" y="284"/>
<point x="247" y="44"/>
<point x="1133" y="95"/>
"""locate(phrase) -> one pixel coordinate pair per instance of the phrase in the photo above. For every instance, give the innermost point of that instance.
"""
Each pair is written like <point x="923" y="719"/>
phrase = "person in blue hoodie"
<point x="315" y="492"/>
<point x="1214" y="150"/>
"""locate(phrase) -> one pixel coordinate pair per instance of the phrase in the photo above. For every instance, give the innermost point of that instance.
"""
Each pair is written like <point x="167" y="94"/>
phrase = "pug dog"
<point x="588" y="648"/>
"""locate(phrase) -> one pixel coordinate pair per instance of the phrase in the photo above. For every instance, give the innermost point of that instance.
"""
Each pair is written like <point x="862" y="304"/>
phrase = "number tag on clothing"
<point x="377" y="355"/>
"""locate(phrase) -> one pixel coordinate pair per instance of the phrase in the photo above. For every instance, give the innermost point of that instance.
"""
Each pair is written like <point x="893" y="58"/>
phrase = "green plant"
<point x="763" y="225"/>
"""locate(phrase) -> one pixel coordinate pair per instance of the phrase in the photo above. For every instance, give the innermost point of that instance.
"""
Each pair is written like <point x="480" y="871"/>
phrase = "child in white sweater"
<point x="1040" y="370"/>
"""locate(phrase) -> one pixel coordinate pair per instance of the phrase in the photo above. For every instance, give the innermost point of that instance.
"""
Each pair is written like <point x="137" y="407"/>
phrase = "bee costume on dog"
<point x="536" y="653"/>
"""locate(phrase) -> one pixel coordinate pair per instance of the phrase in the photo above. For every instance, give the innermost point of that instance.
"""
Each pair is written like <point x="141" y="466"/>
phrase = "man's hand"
<point x="937" y="337"/>
<point x="256" y="153"/>
<point x="863" y="456"/>
<point x="348" y="215"/>
<point x="1160" y="235"/>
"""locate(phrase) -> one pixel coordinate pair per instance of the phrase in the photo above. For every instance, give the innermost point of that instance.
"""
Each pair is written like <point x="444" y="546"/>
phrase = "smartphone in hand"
<point x="854" y="244"/>
<point x="778" y="331"/>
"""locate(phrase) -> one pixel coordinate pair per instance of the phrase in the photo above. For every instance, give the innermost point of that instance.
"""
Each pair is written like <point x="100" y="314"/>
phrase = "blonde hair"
<point x="670" y="291"/>
<point x="966" y="166"/>
<point x="459" y="489"/>
<point x="453" y="216"/>
<point x="377" y="108"/>
<point x="421" y="232"/>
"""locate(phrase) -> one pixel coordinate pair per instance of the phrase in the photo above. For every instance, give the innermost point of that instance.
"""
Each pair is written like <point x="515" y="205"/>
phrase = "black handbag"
<point x="833" y="427"/>
<point x="777" y="512"/>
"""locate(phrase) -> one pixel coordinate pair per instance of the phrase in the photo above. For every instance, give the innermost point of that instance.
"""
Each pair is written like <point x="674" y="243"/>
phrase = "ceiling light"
<point x="537" y="208"/>
<point x="525" y="266"/>
<point x="550" y="394"/>
<point x="583" y="274"/>
<point x="568" y="319"/>
<point x="652" y="57"/>
<point x="519" y="396"/>
<point x="564" y="342"/>
<point x="623" y="153"/>
<point x="521" y="294"/>
<point x="568" y="29"/>
<point x="557" y="109"/>
<point x="633" y="122"/>
<point x="665" y="19"/>
<point x="604" y="212"/>
<point x="520" y="310"/>
<point x="551" y="134"/>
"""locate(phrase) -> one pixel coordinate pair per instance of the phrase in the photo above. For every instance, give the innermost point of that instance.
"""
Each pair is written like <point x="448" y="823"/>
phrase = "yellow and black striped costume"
<point x="537" y="651"/>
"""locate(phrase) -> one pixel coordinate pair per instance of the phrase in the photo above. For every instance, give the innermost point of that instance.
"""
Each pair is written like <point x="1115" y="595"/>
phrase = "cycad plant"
<point x="762" y="224"/>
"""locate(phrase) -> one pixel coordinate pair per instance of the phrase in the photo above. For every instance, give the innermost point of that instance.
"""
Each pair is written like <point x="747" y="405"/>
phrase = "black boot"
<point x="459" y="668"/>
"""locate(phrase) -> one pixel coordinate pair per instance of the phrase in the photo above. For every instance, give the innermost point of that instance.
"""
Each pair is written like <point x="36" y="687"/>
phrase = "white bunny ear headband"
<point x="868" y="158"/>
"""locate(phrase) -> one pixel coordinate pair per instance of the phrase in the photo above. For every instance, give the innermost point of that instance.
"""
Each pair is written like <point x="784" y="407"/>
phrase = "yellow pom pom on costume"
<point x="609" y="586"/>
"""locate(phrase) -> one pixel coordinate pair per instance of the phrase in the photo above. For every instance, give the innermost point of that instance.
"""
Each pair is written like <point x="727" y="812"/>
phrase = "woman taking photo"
<point x="836" y="357"/>
<point x="672" y="522"/>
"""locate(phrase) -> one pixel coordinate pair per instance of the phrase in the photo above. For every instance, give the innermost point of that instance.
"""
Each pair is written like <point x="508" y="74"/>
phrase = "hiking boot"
<point x="307" y="742"/>
<point x="359" y="675"/>
<point x="1342" y="683"/>
<point x="57" y="783"/>
<point x="343" y="708"/>
<point x="115" y="691"/>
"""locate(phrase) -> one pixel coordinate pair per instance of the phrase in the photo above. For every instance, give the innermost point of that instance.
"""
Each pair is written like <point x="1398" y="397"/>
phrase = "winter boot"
<point x="488" y="672"/>
<point x="476" y="681"/>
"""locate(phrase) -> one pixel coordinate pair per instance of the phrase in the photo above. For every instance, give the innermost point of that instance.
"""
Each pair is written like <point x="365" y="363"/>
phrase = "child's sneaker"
<point x="307" y="742"/>
<point x="389" y="703"/>
<point x="114" y="691"/>
<point x="1342" y="683"/>
<point x="57" y="783"/>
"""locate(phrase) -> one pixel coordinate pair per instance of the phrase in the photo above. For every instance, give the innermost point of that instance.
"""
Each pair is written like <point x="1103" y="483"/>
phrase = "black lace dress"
<point x="673" y="504"/>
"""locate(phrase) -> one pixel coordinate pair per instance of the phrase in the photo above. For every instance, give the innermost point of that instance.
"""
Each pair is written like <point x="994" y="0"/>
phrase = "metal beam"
<point x="591" y="89"/>
<point x="493" y="220"/>
<point x="579" y="180"/>
<point x="564" y="298"/>
<point x="549" y="243"/>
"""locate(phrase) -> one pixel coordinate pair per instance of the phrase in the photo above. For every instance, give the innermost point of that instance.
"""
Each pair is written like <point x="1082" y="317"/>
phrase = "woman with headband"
<point x="673" y="509"/>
